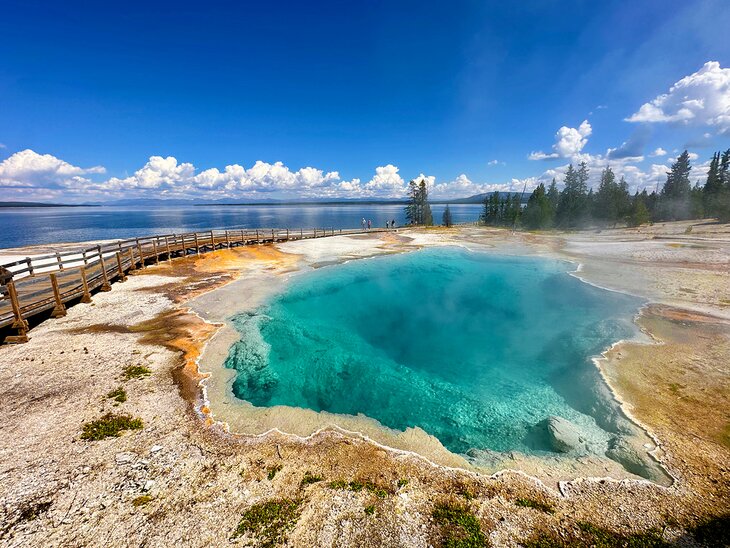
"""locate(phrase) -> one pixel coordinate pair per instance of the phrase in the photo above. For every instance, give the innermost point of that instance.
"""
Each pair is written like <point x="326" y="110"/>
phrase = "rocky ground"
<point x="177" y="476"/>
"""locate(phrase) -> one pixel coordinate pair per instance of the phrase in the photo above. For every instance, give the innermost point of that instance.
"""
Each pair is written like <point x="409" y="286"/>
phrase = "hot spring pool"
<point x="475" y="349"/>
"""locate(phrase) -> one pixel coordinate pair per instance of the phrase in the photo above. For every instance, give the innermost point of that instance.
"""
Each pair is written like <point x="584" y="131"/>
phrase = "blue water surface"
<point x="475" y="349"/>
<point x="29" y="226"/>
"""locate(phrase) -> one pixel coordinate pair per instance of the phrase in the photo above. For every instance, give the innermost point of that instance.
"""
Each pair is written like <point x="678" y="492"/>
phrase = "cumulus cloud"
<point x="30" y="169"/>
<point x="658" y="152"/>
<point x="569" y="142"/>
<point x="702" y="98"/>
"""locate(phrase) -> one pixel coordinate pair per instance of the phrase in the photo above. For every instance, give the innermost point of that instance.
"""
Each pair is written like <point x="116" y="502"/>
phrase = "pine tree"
<point x="538" y="213"/>
<point x="574" y="197"/>
<point x="553" y="195"/>
<point x="412" y="207"/>
<point x="446" y="219"/>
<point x="674" y="200"/>
<point x="426" y="217"/>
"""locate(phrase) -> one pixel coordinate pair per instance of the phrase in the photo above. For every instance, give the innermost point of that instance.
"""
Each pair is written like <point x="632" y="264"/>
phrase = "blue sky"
<point x="348" y="99"/>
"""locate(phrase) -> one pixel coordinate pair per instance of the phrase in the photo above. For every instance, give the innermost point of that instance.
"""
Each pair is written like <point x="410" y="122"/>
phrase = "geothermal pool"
<point x="474" y="348"/>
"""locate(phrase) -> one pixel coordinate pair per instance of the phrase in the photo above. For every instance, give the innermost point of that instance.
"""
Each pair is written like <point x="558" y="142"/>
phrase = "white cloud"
<point x="492" y="162"/>
<point x="658" y="152"/>
<point x="3" y="145"/>
<point x="702" y="98"/>
<point x="30" y="169"/>
<point x="569" y="142"/>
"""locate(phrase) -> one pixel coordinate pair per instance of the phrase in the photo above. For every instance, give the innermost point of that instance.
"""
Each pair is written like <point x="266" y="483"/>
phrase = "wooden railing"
<point x="37" y="284"/>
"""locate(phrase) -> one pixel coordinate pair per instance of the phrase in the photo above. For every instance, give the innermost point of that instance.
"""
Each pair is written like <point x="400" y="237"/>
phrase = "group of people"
<point x="368" y="224"/>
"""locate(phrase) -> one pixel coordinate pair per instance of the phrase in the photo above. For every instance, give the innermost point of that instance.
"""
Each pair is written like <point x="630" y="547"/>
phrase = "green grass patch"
<point x="590" y="535"/>
<point x="135" y="372"/>
<point x="309" y="479"/>
<point x="535" y="505"/>
<point x="108" y="426"/>
<point x="370" y="510"/>
<point x="141" y="500"/>
<point x="273" y="470"/>
<point x="358" y="486"/>
<point x="119" y="395"/>
<point x="269" y="521"/>
<point x="402" y="482"/>
<point x="459" y="526"/>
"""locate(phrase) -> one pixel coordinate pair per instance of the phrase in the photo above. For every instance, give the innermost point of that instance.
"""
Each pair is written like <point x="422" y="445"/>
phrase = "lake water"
<point x="28" y="226"/>
<point x="475" y="349"/>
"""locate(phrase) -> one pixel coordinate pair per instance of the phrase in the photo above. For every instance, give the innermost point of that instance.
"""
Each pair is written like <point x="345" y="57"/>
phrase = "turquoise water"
<point x="475" y="349"/>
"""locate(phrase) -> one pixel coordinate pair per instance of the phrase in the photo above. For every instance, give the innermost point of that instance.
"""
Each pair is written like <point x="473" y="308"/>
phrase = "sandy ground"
<point x="185" y="479"/>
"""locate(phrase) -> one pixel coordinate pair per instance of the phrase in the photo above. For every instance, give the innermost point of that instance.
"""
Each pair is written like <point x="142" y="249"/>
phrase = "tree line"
<point x="577" y="205"/>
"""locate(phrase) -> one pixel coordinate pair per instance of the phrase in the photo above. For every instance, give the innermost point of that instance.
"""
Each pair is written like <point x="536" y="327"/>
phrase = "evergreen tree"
<point x="605" y="206"/>
<point x="573" y="199"/>
<point x="412" y="207"/>
<point x="418" y="210"/>
<point x="553" y="195"/>
<point x="674" y="200"/>
<point x="639" y="214"/>
<point x="539" y="211"/>
<point x="425" y="208"/>
<point x="447" y="217"/>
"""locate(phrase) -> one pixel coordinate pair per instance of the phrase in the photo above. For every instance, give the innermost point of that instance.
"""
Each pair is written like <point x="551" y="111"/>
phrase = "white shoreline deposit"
<point x="256" y="285"/>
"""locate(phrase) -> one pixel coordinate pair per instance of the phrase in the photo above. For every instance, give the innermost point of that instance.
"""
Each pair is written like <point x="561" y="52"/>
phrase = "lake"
<point x="28" y="226"/>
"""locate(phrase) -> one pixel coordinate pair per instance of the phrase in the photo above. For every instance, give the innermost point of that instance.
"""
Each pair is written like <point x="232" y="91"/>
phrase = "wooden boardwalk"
<point x="36" y="285"/>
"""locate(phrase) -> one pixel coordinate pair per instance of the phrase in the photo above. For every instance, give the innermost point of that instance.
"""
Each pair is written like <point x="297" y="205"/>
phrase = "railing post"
<point x="86" y="297"/>
<point x="132" y="263"/>
<point x="243" y="238"/>
<point x="287" y="234"/>
<point x="182" y="240"/>
<point x="212" y="241"/>
<point x="258" y="241"/>
<point x="167" y="247"/>
<point x="228" y="241"/>
<point x="301" y="233"/>
<point x="105" y="284"/>
<point x="122" y="277"/>
<point x="154" y="250"/>
<point x="59" y="310"/>
<point x="29" y="262"/>
<point x="19" y="324"/>
<point x="141" y="256"/>
<point x="60" y="262"/>
<point x="86" y="260"/>
<point x="273" y="238"/>
<point x="197" y="246"/>
<point x="315" y="232"/>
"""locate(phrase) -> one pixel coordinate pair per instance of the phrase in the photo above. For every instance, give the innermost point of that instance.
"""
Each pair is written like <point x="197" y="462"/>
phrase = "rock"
<point x="563" y="434"/>
<point x="124" y="458"/>
<point x="155" y="448"/>
<point x="149" y="484"/>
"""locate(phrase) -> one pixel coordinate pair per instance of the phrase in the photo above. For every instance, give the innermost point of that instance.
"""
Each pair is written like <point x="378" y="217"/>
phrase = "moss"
<point x="358" y="486"/>
<point x="135" y="372"/>
<point x="141" y="500"/>
<point x="591" y="535"/>
<point x="370" y="510"/>
<point x="402" y="482"/>
<point x="273" y="471"/>
<point x="119" y="395"/>
<point x="269" y="521"/>
<point x="535" y="505"/>
<point x="110" y="425"/>
<point x="309" y="479"/>
<point x="460" y="527"/>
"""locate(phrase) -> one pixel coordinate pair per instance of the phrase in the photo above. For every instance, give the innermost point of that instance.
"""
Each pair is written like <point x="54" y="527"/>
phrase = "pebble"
<point x="155" y="448"/>
<point x="123" y="458"/>
<point x="149" y="484"/>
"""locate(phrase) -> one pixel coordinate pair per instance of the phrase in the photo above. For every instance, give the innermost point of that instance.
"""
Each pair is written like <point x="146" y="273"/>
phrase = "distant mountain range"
<point x="161" y="202"/>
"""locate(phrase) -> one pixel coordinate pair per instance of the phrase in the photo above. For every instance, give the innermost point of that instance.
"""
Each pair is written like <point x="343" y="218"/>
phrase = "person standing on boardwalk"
<point x="370" y="224"/>
<point x="364" y="223"/>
